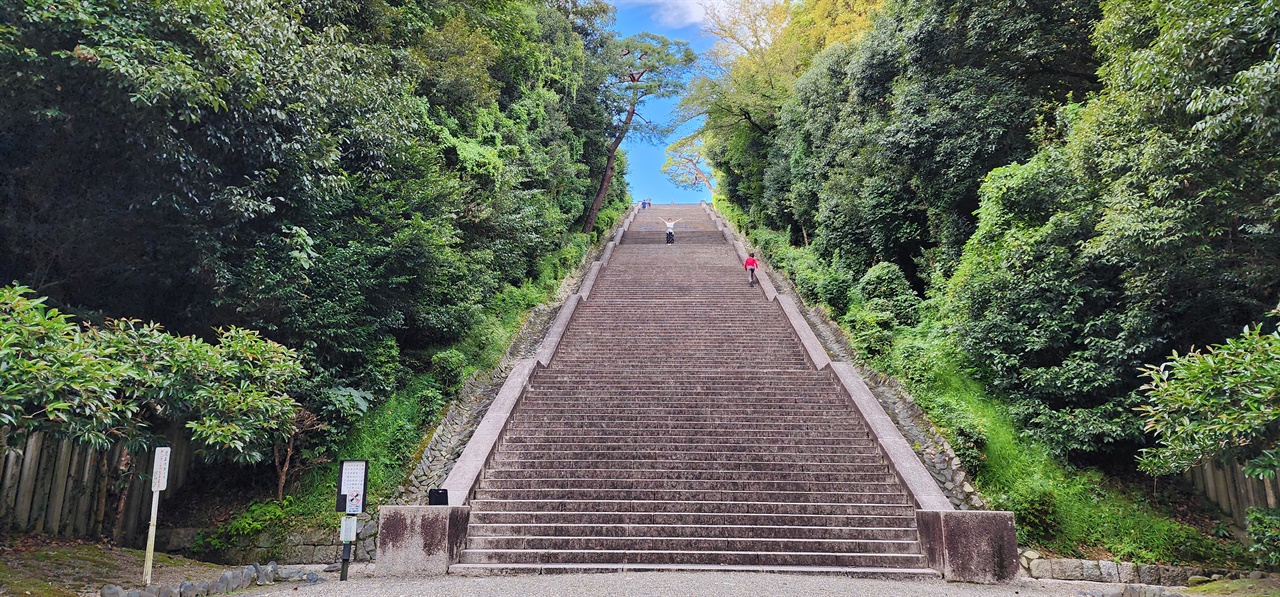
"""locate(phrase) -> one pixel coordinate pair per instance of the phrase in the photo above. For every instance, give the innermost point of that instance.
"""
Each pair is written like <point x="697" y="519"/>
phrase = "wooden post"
<point x="58" y="496"/>
<point x="159" y="480"/>
<point x="27" y="482"/>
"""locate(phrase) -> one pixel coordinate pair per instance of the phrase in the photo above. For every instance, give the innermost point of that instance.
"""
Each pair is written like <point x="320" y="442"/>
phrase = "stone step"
<point x="759" y="400"/>
<point x="880" y="573"/>
<point x="799" y="389"/>
<point x="641" y="418"/>
<point x="699" y="446"/>
<point x="689" y="519"/>
<point x="602" y="429"/>
<point x="680" y="426"/>
<point x="721" y="544"/>
<point x="776" y="476"/>
<point x="688" y="495"/>
<point x="681" y="442"/>
<point x="662" y="361"/>
<point x="709" y="531"/>
<point x="885" y="484"/>
<point x="610" y="411"/>
<point x="785" y="558"/>
<point x="697" y="507"/>
<point x="691" y="465"/>
<point x="708" y="375"/>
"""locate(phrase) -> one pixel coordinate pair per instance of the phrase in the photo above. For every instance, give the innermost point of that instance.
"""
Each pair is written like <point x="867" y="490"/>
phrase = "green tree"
<point x="357" y="180"/>
<point x="686" y="165"/>
<point x="1149" y="227"/>
<point x="648" y="66"/>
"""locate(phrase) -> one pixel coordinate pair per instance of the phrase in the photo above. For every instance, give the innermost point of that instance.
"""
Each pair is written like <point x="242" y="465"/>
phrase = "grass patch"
<point x="1268" y="587"/>
<point x="37" y="566"/>
<point x="16" y="583"/>
<point x="1059" y="509"/>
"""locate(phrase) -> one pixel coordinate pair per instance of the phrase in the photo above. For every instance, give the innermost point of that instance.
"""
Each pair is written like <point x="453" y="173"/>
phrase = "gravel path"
<point x="646" y="584"/>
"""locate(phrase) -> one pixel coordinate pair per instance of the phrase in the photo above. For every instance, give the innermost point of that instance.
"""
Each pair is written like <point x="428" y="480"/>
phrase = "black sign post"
<point x="353" y="481"/>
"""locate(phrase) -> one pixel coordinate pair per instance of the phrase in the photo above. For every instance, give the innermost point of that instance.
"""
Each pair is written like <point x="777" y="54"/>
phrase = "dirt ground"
<point x="36" y="566"/>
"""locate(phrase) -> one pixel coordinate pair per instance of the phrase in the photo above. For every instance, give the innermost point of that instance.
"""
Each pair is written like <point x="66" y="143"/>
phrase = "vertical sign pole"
<point x="159" y="482"/>
<point x="352" y="483"/>
<point x="151" y="538"/>
<point x="346" y="559"/>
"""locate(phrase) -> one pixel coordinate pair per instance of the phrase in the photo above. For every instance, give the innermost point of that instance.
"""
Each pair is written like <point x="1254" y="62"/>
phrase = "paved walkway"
<point x="669" y="584"/>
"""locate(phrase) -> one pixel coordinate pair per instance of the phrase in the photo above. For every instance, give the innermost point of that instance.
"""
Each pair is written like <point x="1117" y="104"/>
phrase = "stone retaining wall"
<point x="307" y="546"/>
<point x="1123" y="572"/>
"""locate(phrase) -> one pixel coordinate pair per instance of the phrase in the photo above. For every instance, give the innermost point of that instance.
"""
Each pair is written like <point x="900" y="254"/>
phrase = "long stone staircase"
<point x="681" y="425"/>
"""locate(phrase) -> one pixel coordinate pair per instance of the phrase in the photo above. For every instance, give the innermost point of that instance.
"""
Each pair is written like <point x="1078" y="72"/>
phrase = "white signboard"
<point x="352" y="485"/>
<point x="347" y="533"/>
<point x="160" y="473"/>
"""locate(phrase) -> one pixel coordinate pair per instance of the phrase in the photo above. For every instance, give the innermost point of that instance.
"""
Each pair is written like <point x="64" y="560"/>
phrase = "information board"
<point x="347" y="533"/>
<point x="351" y="486"/>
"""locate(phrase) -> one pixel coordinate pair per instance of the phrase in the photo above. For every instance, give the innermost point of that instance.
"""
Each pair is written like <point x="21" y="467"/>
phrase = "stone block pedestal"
<point x="968" y="545"/>
<point x="420" y="540"/>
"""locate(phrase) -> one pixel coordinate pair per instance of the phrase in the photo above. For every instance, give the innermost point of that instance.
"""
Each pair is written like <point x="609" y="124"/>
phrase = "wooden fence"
<point x="57" y="488"/>
<point x="1226" y="486"/>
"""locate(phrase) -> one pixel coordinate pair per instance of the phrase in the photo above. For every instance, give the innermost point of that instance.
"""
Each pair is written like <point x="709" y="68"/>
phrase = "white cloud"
<point x="673" y="13"/>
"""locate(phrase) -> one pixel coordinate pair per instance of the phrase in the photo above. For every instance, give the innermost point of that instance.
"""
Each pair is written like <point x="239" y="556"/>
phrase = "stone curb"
<point x="465" y="476"/>
<point x="231" y="580"/>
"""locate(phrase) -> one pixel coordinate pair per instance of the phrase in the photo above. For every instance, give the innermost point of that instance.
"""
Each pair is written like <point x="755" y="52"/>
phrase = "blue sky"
<point x="676" y="19"/>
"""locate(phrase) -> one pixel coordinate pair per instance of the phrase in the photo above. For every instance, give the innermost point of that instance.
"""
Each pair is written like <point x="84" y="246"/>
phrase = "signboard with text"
<point x="160" y="471"/>
<point x="352" y="481"/>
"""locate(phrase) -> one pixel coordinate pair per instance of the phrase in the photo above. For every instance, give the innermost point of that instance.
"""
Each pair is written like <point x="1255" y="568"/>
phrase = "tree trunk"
<point x="590" y="222"/>
<point x="282" y="466"/>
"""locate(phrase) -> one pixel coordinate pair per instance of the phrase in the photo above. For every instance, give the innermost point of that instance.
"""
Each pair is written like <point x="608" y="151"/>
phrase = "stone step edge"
<point x="665" y="526"/>
<point x="876" y="573"/>
<point x="623" y="552"/>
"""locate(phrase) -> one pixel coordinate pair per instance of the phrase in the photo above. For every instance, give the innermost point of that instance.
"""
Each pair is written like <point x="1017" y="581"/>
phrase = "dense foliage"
<point x="1220" y="403"/>
<point x="1264" y="536"/>
<point x="1064" y="510"/>
<point x="365" y="182"/>
<point x="1084" y="187"/>
<point x="1150" y="226"/>
<point x="123" y="381"/>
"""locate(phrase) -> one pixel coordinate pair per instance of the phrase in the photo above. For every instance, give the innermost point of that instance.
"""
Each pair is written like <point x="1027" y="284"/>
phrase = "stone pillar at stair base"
<point x="965" y="545"/>
<point x="420" y="540"/>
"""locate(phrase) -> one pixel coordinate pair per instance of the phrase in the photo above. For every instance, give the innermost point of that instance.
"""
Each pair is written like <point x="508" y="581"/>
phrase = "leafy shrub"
<point x="807" y="280"/>
<point x="871" y="331"/>
<point x="1220" y="403"/>
<point x="448" y="365"/>
<point x="266" y="516"/>
<point x="1264" y="534"/>
<point x="916" y="364"/>
<point x="886" y="286"/>
<point x="98" y="385"/>
<point x="834" y="290"/>
<point x="1035" y="511"/>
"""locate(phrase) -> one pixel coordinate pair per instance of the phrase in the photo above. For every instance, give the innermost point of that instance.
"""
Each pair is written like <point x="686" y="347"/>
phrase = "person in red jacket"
<point x="750" y="265"/>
